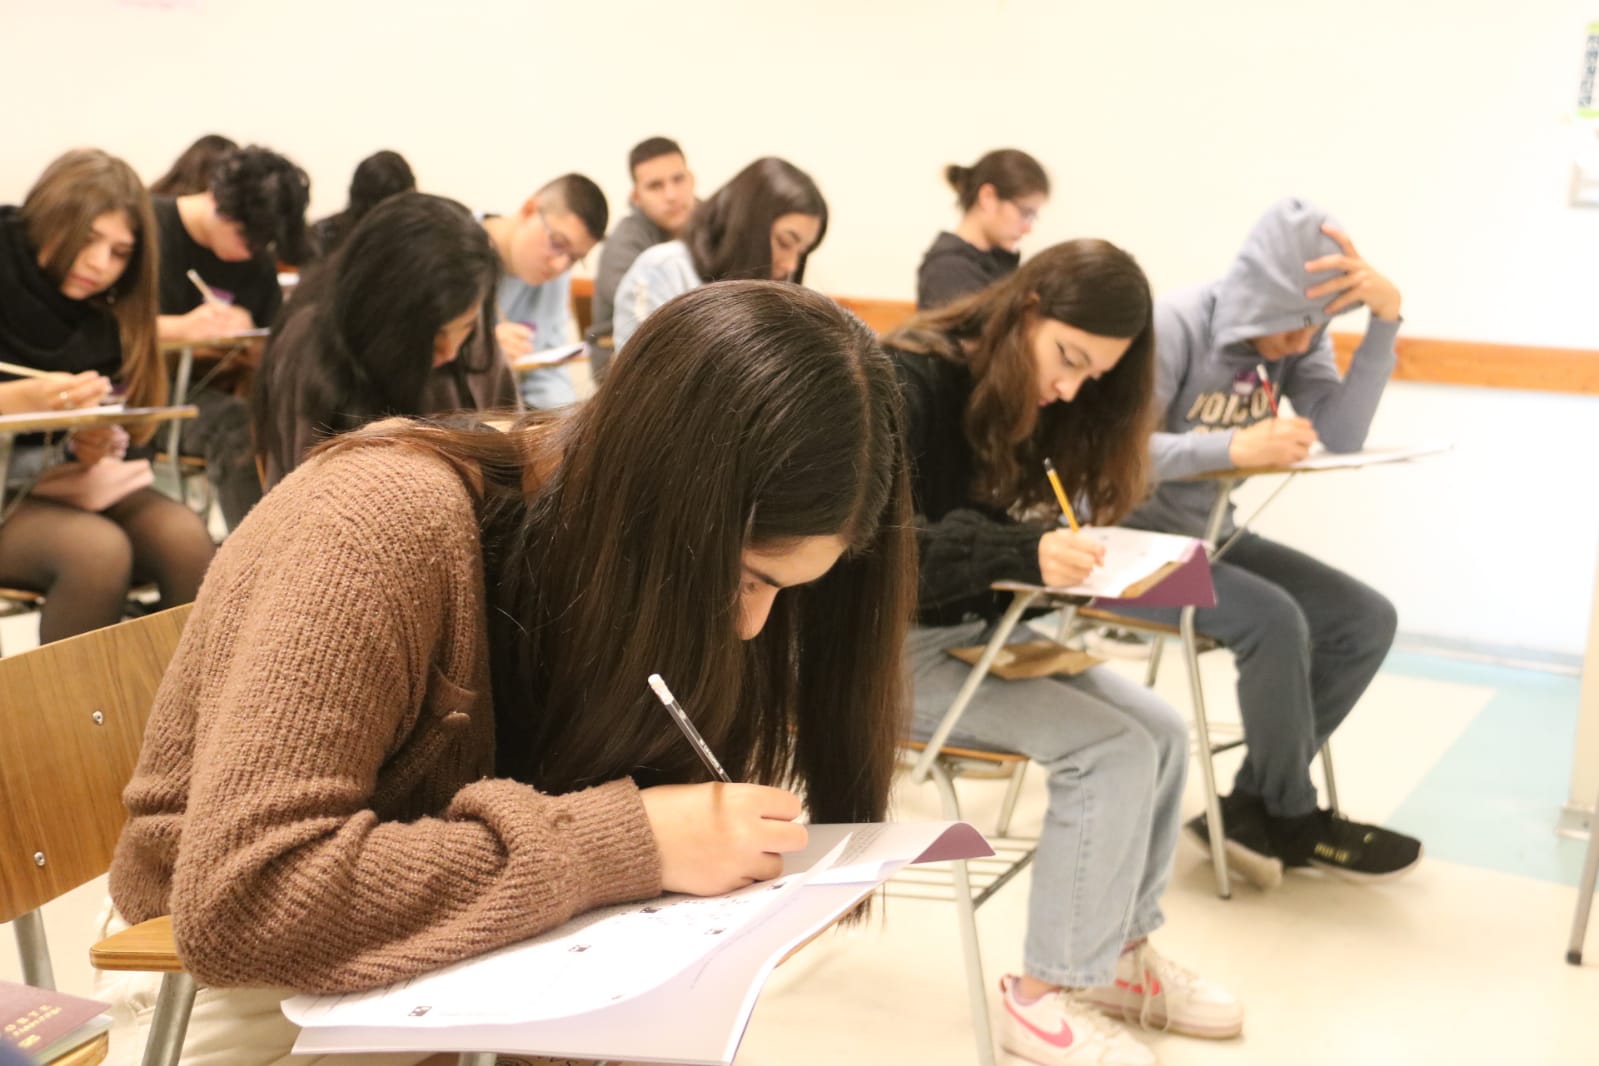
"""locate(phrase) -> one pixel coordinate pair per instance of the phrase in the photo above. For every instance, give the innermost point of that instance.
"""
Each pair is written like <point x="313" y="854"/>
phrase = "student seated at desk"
<point x="232" y="236"/>
<point x="377" y="177"/>
<point x="399" y="322"/>
<point x="191" y="171"/>
<point x="662" y="199"/>
<point x="538" y="246"/>
<point x="77" y="298"/>
<point x="764" y="223"/>
<point x="1308" y="638"/>
<point x="1055" y="362"/>
<point x="409" y="720"/>
<point x="999" y="196"/>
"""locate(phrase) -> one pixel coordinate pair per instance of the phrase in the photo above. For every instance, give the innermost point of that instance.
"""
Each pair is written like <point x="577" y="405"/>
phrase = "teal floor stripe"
<point x="1493" y="798"/>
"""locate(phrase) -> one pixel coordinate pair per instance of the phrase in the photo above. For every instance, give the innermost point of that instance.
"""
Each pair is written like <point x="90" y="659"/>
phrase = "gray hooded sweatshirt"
<point x="1206" y="384"/>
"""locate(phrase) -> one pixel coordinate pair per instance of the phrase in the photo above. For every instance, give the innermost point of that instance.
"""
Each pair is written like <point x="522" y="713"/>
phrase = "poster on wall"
<point x="1590" y="61"/>
<point x="1585" y="165"/>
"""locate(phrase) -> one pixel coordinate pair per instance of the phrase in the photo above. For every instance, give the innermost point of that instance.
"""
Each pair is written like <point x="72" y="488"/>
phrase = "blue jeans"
<point x="1308" y="640"/>
<point x="546" y="388"/>
<point x="1116" y="755"/>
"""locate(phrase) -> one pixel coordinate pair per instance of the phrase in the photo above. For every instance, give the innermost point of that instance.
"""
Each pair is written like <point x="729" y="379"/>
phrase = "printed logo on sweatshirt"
<point x="1242" y="404"/>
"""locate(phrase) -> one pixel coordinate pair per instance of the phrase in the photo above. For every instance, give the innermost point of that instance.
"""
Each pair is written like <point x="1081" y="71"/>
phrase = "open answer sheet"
<point x="1131" y="557"/>
<point x="1325" y="460"/>
<point x="672" y="979"/>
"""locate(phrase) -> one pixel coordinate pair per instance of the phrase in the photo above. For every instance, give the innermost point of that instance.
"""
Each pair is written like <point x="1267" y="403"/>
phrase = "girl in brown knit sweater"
<point x="408" y="722"/>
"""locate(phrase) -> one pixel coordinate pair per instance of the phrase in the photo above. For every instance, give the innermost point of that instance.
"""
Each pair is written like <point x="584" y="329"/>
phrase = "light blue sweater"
<point x="548" y="309"/>
<point x="657" y="275"/>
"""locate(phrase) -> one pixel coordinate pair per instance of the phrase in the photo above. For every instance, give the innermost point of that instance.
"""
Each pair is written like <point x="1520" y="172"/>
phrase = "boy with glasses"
<point x="538" y="246"/>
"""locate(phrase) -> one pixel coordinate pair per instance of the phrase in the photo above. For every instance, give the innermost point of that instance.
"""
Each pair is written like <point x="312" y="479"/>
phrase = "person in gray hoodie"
<point x="1308" y="638"/>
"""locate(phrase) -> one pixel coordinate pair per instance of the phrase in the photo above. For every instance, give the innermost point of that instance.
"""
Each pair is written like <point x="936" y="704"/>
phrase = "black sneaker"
<point x="1351" y="850"/>
<point x="1250" y="853"/>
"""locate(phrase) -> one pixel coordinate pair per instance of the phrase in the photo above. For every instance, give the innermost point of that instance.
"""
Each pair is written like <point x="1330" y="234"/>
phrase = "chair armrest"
<point x="146" y="947"/>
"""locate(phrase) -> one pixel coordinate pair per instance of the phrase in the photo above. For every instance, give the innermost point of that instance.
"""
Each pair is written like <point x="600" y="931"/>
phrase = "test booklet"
<point x="672" y="979"/>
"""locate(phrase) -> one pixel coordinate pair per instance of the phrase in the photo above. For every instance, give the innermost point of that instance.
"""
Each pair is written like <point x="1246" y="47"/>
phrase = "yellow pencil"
<point x="1060" y="494"/>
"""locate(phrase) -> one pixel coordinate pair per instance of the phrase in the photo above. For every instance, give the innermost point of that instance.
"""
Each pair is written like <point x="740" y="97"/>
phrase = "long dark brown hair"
<point x="730" y="234"/>
<point x="1099" y="441"/>
<point x="191" y="171"/>
<point x="613" y="537"/>
<point x="59" y="212"/>
<point x="413" y="263"/>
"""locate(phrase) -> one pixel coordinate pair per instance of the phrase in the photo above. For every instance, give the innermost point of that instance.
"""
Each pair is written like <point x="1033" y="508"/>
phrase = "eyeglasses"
<point x="562" y="247"/>
<point x="1029" y="214"/>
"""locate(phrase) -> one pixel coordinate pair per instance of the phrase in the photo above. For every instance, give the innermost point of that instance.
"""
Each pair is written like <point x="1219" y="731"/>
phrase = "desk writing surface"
<point x="1327" y="460"/>
<point x="115" y="414"/>
<point x="221" y="341"/>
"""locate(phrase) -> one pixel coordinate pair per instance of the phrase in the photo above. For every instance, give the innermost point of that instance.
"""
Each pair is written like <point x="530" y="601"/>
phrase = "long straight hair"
<point x="59" y="212"/>
<point x="613" y="537"/>
<point x="730" y="234"/>
<point x="1099" y="441"/>
<point x="413" y="264"/>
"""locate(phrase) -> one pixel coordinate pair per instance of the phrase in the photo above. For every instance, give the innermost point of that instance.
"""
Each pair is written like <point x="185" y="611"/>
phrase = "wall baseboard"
<point x="1565" y="664"/>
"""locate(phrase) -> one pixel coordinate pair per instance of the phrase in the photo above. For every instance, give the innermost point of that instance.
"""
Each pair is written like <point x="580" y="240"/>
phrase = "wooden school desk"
<point x="11" y="426"/>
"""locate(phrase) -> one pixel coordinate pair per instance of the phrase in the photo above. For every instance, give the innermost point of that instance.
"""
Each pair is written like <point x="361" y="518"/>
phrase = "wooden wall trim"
<point x="1493" y="366"/>
<point x="1421" y="359"/>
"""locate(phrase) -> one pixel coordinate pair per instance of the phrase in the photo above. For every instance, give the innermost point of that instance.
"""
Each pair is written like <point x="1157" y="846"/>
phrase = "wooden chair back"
<point x="72" y="715"/>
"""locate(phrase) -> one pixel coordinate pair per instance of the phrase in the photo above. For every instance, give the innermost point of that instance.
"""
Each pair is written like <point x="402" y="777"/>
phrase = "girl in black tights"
<point x="78" y="299"/>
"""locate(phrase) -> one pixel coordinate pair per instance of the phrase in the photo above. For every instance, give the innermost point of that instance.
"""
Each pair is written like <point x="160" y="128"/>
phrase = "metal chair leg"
<point x="1327" y="772"/>
<point x="1218" y="835"/>
<point x="1590" y="873"/>
<point x="34" y="949"/>
<point x="966" y="916"/>
<point x="1013" y="792"/>
<point x="1157" y="645"/>
<point x="171" y="1020"/>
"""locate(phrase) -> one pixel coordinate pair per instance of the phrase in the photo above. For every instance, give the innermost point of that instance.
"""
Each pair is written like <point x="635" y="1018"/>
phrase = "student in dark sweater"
<point x="1056" y="362"/>
<point x="232" y="236"/>
<point x="399" y="322"/>
<point x="1000" y="196"/>
<point x="77" y="299"/>
<point x="376" y="178"/>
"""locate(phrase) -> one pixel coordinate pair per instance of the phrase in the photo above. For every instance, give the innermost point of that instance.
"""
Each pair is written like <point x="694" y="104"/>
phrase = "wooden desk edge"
<point x="50" y="421"/>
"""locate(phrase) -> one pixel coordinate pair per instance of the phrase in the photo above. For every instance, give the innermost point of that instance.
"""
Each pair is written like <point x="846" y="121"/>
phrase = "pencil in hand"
<point x="1265" y="383"/>
<point x="206" y="293"/>
<point x="1060" y="494"/>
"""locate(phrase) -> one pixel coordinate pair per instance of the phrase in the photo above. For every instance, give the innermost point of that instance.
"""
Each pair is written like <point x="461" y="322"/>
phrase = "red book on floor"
<point x="43" y="1024"/>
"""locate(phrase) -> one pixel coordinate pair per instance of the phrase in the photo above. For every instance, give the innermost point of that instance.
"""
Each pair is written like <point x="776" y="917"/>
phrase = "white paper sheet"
<point x="670" y="980"/>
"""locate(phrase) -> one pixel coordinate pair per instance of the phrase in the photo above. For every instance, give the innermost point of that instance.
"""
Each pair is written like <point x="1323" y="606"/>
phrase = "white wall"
<point x="1436" y="131"/>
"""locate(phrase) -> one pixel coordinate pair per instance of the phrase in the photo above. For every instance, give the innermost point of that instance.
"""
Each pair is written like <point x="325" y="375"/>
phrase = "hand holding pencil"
<point x="1066" y="557"/>
<point x="722" y="835"/>
<point x="43" y="390"/>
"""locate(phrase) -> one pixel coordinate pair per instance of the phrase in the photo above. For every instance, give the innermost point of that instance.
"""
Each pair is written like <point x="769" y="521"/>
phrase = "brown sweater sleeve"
<point x="285" y="875"/>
